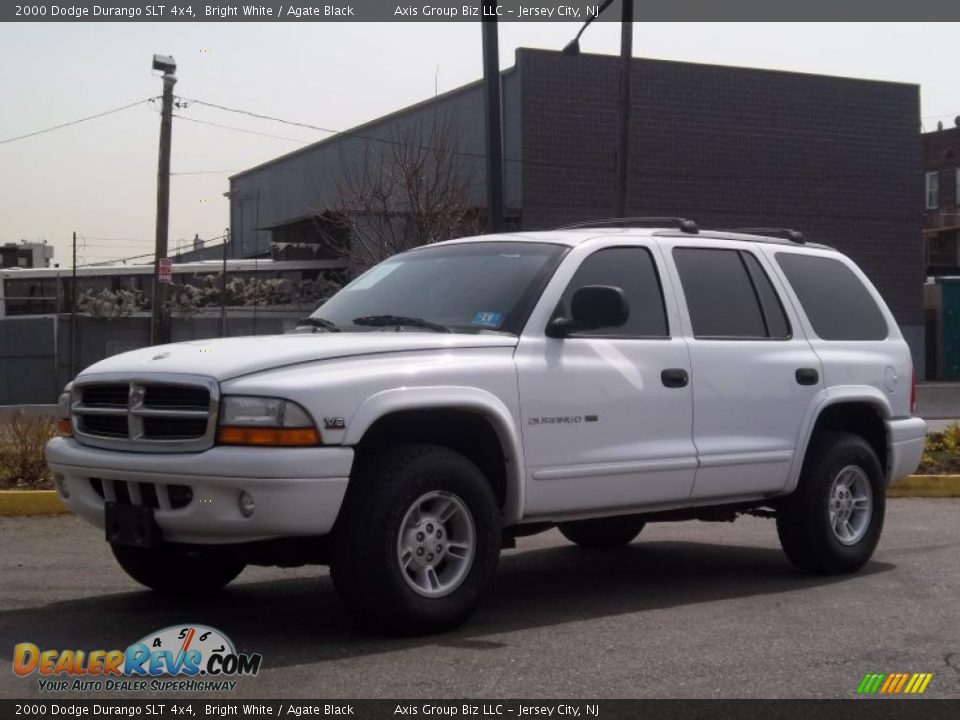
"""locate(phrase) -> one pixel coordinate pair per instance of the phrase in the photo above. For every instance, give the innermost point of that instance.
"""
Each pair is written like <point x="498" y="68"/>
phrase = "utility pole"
<point x="160" y="330"/>
<point x="73" y="312"/>
<point x="223" y="284"/>
<point x="494" y="117"/>
<point x="623" y="135"/>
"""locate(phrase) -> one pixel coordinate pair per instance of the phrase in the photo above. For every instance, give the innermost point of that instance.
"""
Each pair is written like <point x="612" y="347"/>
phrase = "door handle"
<point x="807" y="376"/>
<point x="674" y="378"/>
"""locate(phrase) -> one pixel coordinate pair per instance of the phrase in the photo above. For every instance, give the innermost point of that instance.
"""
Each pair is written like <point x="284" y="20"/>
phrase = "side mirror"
<point x="592" y="307"/>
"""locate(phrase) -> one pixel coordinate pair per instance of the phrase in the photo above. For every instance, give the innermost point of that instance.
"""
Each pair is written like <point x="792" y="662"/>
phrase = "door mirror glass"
<point x="592" y="307"/>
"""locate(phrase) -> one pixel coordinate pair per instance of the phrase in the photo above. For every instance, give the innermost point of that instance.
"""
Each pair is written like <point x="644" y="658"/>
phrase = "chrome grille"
<point x="176" y="413"/>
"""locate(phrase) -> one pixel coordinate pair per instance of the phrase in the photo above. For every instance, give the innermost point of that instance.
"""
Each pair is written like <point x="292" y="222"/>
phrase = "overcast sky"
<point x="99" y="177"/>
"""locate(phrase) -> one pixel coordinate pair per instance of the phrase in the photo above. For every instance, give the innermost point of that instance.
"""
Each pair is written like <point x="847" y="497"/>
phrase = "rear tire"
<point x="831" y="524"/>
<point x="603" y="533"/>
<point x="169" y="571"/>
<point x="417" y="540"/>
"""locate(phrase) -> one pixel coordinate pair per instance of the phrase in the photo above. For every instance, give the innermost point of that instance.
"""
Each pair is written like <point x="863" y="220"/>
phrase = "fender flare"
<point x="838" y="395"/>
<point x="470" y="399"/>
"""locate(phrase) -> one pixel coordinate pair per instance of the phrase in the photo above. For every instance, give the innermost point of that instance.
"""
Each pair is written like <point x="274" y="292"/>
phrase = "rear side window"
<point x="729" y="295"/>
<point x="632" y="270"/>
<point x="837" y="303"/>
<point x="773" y="315"/>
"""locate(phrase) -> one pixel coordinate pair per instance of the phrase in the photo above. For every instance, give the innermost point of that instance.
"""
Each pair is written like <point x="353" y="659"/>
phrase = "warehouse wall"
<point x="304" y="181"/>
<point x="834" y="157"/>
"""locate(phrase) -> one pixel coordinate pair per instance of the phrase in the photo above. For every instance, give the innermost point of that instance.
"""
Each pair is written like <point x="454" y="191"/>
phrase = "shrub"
<point x="942" y="452"/>
<point x="22" y="440"/>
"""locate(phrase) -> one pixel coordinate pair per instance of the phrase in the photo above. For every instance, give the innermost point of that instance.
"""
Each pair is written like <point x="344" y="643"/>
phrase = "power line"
<point x="260" y="116"/>
<point x="145" y="255"/>
<point x="237" y="129"/>
<point x="75" y="122"/>
<point x="202" y="172"/>
<point x="547" y="164"/>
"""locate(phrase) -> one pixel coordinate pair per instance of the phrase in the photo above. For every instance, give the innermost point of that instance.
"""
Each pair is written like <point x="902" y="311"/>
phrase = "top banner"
<point x="465" y="10"/>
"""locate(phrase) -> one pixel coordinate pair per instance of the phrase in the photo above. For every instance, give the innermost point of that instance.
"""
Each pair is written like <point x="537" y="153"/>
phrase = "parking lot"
<point x="688" y="610"/>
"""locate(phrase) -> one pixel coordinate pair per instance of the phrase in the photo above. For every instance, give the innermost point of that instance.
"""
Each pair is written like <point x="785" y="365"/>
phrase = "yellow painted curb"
<point x="31" y="502"/>
<point x="929" y="486"/>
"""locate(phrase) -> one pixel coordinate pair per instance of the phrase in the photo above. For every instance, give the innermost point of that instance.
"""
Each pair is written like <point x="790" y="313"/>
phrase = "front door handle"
<point x="807" y="376"/>
<point x="674" y="378"/>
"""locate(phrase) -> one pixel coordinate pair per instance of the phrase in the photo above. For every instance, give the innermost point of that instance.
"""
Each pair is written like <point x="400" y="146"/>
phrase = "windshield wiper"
<point x="318" y="323"/>
<point x="399" y="321"/>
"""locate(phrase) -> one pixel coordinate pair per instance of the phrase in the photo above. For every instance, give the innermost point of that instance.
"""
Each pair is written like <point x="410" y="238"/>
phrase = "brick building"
<point x="941" y="197"/>
<point x="730" y="147"/>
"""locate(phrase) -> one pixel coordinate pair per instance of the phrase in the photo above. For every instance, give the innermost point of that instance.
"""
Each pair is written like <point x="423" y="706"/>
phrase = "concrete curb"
<point x="31" y="502"/>
<point x="928" y="486"/>
<point x="47" y="502"/>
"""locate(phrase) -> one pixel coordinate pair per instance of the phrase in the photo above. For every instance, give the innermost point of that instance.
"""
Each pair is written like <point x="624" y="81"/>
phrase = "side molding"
<point x="457" y="397"/>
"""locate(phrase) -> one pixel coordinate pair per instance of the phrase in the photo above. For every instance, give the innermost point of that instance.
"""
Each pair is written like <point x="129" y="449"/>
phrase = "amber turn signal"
<point x="273" y="437"/>
<point x="64" y="428"/>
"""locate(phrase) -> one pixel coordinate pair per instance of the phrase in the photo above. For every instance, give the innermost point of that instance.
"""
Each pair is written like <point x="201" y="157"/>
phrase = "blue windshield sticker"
<point x="487" y="319"/>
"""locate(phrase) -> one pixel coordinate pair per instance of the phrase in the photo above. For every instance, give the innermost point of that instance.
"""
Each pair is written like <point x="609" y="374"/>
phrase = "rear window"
<point x="837" y="303"/>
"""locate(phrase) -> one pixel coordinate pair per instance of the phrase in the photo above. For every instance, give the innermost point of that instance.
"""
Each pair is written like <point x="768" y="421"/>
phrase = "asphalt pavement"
<point x="698" y="610"/>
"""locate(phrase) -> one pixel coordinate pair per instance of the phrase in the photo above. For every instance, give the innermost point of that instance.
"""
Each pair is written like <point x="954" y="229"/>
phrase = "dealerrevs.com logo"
<point x="186" y="658"/>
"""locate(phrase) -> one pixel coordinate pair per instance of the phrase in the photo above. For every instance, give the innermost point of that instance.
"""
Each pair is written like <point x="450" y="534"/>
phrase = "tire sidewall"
<point x="846" y="452"/>
<point x="446" y="471"/>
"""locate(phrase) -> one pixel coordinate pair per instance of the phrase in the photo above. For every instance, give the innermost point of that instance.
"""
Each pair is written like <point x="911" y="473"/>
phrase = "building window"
<point x="942" y="250"/>
<point x="933" y="190"/>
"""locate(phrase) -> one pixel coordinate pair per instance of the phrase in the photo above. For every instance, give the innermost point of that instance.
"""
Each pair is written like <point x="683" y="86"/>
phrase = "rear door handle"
<point x="807" y="376"/>
<point x="674" y="378"/>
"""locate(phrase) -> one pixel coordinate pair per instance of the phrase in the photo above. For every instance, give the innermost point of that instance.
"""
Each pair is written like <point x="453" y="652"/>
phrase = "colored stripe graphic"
<point x="894" y="683"/>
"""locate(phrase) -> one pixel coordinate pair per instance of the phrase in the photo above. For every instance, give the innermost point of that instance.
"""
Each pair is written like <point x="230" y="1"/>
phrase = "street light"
<point x="573" y="47"/>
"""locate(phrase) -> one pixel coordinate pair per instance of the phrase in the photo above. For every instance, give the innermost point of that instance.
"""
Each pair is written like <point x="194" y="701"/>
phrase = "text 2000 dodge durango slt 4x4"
<point x="462" y="394"/>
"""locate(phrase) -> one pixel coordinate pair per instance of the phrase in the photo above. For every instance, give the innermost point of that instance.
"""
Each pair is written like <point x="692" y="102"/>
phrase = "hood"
<point x="224" y="358"/>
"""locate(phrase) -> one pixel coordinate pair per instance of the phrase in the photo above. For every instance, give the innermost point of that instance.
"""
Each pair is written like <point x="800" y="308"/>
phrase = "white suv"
<point x="463" y="394"/>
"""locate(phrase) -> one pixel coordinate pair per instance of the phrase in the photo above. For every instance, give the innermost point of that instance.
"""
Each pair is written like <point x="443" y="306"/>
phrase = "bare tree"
<point x="410" y="190"/>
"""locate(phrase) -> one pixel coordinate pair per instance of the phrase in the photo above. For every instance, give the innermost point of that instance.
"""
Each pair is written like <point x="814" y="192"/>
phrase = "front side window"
<point x="932" y="190"/>
<point x="837" y="303"/>
<point x="468" y="287"/>
<point x="729" y="296"/>
<point x="632" y="270"/>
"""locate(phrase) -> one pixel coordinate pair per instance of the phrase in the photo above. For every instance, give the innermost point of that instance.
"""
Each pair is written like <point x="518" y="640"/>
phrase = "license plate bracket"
<point x="131" y="525"/>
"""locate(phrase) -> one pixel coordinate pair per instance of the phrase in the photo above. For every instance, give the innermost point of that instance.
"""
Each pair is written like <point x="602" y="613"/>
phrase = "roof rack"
<point x="682" y="224"/>
<point x="794" y="236"/>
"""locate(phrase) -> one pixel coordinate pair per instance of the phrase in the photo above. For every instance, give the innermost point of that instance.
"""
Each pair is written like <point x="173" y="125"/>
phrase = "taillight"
<point x="913" y="393"/>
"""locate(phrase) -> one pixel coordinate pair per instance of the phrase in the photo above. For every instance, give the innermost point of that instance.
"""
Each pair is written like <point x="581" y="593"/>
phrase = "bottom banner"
<point x="859" y="709"/>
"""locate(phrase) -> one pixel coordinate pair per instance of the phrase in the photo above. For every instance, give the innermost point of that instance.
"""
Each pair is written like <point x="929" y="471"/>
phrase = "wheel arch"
<point x="861" y="411"/>
<point x="469" y="420"/>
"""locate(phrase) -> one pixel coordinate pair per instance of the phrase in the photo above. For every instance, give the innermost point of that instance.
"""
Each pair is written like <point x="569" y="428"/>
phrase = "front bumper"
<point x="296" y="491"/>
<point x="907" y="439"/>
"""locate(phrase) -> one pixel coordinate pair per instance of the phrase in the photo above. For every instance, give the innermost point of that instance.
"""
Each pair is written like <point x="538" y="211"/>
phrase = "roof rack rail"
<point x="682" y="224"/>
<point x="794" y="236"/>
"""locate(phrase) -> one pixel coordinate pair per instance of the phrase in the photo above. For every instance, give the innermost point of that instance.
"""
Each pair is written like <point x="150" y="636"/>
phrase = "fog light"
<point x="246" y="504"/>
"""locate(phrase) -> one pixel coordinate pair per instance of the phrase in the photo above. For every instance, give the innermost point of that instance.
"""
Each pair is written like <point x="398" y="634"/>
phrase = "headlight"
<point x="64" y="427"/>
<point x="265" y="421"/>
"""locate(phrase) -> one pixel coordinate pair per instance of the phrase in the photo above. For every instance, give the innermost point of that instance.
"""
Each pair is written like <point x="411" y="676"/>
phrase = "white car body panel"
<point x="737" y="432"/>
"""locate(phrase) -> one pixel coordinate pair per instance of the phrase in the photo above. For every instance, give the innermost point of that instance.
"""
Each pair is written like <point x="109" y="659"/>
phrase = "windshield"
<point x="467" y="287"/>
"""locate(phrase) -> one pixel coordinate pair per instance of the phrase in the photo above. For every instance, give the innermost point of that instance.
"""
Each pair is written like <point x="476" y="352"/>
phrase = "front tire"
<point x="603" y="533"/>
<point x="417" y="540"/>
<point x="168" y="571"/>
<point x="832" y="522"/>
